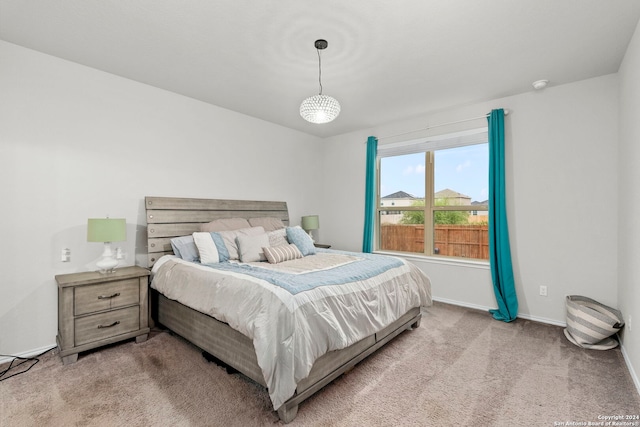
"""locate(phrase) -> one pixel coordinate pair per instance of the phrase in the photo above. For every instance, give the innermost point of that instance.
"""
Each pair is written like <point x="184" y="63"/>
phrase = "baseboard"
<point x="632" y="371"/>
<point x="31" y="353"/>
<point x="543" y="320"/>
<point x="484" y="308"/>
<point x="462" y="304"/>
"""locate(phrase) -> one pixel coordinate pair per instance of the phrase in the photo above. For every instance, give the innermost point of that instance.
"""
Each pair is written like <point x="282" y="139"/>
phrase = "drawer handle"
<point x="117" y="322"/>
<point x="117" y="294"/>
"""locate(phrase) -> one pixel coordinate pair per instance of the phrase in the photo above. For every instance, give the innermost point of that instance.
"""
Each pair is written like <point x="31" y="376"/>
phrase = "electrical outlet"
<point x="543" y="291"/>
<point x="65" y="255"/>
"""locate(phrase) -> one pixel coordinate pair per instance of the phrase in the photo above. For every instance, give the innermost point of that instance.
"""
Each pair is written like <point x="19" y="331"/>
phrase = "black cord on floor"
<point x="33" y="359"/>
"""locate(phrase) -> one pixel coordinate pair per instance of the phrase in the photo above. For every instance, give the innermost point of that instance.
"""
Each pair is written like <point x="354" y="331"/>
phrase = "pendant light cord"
<point x="319" y="70"/>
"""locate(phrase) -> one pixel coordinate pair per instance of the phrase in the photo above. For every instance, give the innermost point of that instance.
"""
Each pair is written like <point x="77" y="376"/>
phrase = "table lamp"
<point x="107" y="230"/>
<point x="309" y="223"/>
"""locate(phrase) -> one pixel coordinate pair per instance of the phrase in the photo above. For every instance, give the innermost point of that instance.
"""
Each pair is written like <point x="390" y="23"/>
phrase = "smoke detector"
<point x="540" y="84"/>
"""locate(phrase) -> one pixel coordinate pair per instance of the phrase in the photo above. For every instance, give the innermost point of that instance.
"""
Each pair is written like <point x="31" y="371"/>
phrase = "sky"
<point x="462" y="169"/>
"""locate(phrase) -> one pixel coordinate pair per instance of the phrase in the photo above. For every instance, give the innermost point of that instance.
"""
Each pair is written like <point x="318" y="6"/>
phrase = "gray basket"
<point x="591" y="324"/>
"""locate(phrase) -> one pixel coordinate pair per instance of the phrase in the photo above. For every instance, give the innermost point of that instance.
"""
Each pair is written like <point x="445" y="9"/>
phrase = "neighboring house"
<point x="399" y="198"/>
<point x="453" y="198"/>
<point x="479" y="216"/>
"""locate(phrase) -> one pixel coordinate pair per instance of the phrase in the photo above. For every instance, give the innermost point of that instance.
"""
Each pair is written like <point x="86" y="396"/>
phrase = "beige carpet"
<point x="460" y="368"/>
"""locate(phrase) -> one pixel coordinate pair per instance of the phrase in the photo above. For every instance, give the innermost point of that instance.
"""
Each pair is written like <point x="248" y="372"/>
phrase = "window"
<point x="439" y="189"/>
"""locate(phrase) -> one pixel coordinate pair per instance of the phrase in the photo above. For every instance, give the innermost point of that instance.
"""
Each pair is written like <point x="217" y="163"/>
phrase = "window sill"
<point x="461" y="262"/>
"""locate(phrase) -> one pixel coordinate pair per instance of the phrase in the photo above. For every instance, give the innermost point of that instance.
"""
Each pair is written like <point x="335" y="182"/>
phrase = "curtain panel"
<point x="370" y="195"/>
<point x="499" y="249"/>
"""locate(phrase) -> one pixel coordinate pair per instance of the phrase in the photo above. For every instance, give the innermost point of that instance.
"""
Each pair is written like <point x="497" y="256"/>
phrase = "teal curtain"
<point x="499" y="249"/>
<point x="370" y="195"/>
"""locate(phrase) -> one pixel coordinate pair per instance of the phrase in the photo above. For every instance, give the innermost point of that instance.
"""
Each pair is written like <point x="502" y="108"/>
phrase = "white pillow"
<point x="278" y="237"/>
<point x="206" y="247"/>
<point x="229" y="239"/>
<point x="250" y="247"/>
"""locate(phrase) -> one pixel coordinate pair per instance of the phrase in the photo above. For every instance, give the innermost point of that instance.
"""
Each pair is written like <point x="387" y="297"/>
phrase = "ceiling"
<point x="386" y="60"/>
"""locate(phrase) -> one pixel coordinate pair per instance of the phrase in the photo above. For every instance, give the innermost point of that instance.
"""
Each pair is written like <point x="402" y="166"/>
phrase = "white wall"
<point x="77" y="143"/>
<point x="561" y="188"/>
<point x="629" y="202"/>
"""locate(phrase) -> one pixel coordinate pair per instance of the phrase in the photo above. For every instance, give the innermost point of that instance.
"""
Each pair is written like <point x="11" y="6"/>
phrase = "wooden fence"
<point x="465" y="241"/>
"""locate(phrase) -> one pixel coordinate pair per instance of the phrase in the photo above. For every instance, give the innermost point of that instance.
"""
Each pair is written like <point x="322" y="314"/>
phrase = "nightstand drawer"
<point x="104" y="325"/>
<point x="106" y="296"/>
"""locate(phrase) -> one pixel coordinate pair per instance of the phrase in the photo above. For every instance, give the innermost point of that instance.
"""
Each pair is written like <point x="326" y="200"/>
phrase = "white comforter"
<point x="290" y="331"/>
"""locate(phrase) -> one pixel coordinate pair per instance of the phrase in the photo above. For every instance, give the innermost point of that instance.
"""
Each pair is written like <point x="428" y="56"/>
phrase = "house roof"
<point x="399" y="195"/>
<point x="450" y="194"/>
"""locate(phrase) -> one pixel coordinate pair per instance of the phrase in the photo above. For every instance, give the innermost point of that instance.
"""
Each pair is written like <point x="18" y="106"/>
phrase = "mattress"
<point x="297" y="311"/>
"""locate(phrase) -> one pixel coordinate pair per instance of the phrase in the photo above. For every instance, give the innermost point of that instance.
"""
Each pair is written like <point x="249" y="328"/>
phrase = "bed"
<point x="291" y="326"/>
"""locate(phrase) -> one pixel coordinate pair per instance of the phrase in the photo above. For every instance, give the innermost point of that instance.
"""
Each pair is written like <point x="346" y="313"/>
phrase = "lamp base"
<point x="311" y="235"/>
<point x="108" y="263"/>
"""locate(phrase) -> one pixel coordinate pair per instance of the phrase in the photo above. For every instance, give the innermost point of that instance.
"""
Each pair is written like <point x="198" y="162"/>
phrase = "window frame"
<point x="428" y="146"/>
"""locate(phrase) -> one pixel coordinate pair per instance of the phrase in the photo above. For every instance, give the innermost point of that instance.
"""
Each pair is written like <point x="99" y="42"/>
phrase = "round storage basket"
<point x="591" y="324"/>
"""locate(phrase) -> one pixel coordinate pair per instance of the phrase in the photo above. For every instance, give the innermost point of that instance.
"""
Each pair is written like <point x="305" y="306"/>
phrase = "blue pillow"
<point x="223" y="252"/>
<point x="185" y="248"/>
<point x="301" y="239"/>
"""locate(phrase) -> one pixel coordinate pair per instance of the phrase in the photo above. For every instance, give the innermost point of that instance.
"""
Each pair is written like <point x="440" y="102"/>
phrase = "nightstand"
<point x="320" y="245"/>
<point x="96" y="309"/>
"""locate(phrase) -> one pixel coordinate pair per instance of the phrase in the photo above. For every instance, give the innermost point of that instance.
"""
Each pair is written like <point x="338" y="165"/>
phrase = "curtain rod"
<point x="506" y="112"/>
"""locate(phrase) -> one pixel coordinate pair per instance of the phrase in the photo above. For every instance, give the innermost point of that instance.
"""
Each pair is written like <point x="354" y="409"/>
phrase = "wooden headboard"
<point x="169" y="217"/>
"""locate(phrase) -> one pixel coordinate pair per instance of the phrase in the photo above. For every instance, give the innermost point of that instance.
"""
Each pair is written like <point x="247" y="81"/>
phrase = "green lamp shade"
<point x="311" y="222"/>
<point x="106" y="230"/>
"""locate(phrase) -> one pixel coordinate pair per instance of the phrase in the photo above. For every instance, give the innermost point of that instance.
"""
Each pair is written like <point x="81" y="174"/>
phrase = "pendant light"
<point x="320" y="108"/>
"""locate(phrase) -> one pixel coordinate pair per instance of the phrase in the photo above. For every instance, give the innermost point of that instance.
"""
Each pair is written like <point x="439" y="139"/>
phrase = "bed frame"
<point x="172" y="217"/>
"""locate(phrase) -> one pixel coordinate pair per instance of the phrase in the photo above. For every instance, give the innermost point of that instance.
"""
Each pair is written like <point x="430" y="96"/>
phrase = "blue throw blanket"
<point x="367" y="266"/>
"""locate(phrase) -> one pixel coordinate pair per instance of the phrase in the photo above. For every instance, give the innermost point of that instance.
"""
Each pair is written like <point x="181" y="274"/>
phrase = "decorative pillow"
<point x="250" y="247"/>
<point x="225" y="224"/>
<point x="301" y="239"/>
<point x="175" y="247"/>
<point x="206" y="248"/>
<point x="276" y="254"/>
<point x="229" y="239"/>
<point x="268" y="223"/>
<point x="185" y="248"/>
<point x="223" y="253"/>
<point x="278" y="237"/>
